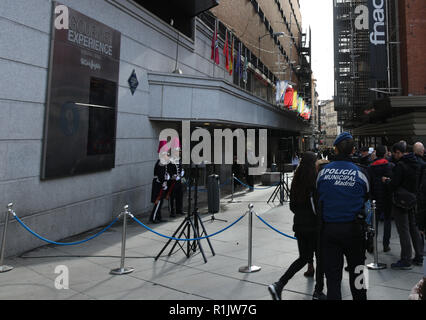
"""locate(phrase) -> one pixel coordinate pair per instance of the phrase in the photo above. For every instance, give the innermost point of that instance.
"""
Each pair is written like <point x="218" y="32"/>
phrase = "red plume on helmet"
<point x="163" y="146"/>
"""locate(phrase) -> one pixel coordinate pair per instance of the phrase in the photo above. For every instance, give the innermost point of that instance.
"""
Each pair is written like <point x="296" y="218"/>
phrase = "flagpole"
<point x="239" y="64"/>
<point x="244" y="69"/>
<point x="214" y="46"/>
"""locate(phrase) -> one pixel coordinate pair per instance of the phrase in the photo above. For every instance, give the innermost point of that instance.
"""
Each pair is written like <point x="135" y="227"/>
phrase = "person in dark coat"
<point x="162" y="175"/>
<point x="305" y="225"/>
<point x="175" y="184"/>
<point x="378" y="169"/>
<point x="365" y="159"/>
<point x="406" y="174"/>
<point x="343" y="188"/>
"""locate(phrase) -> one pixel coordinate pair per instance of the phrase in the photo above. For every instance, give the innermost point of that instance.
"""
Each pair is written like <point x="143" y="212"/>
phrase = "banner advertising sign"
<point x="378" y="39"/>
<point x="81" y="111"/>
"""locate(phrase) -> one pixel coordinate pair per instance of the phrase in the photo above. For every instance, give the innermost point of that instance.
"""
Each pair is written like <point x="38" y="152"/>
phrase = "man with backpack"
<point x="404" y="185"/>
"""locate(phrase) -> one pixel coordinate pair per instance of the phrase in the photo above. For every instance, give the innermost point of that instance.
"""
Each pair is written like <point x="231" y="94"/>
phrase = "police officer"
<point x="343" y="188"/>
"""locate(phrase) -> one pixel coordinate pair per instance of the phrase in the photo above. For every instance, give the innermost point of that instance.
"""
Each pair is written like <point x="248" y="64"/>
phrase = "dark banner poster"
<point x="80" y="126"/>
<point x="378" y="42"/>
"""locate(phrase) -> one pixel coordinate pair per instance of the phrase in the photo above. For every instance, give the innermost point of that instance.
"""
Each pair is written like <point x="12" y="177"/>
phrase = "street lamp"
<point x="275" y="34"/>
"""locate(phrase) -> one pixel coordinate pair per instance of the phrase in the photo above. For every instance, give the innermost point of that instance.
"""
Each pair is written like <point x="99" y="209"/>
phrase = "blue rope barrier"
<point x="285" y="235"/>
<point x="254" y="188"/>
<point x="195" y="239"/>
<point x="59" y="243"/>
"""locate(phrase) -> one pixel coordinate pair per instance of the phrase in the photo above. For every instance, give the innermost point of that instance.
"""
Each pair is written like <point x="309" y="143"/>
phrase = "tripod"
<point x="282" y="190"/>
<point x="191" y="222"/>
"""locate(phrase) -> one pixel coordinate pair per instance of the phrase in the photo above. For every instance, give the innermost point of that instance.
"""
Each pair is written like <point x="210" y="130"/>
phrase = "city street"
<point x="180" y="278"/>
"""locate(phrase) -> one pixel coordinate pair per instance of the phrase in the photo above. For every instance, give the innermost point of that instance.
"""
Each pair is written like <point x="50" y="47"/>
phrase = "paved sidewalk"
<point x="180" y="278"/>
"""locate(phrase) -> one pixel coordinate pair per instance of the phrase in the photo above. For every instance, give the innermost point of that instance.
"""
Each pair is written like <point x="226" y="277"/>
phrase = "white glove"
<point x="167" y="177"/>
<point x="164" y="186"/>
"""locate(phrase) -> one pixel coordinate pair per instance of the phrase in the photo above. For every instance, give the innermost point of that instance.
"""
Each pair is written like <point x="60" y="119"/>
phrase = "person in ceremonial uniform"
<point x="160" y="182"/>
<point x="176" y="188"/>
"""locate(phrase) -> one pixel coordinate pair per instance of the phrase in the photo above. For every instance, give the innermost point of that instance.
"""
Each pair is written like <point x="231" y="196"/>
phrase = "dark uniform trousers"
<point x="338" y="240"/>
<point x="176" y="198"/>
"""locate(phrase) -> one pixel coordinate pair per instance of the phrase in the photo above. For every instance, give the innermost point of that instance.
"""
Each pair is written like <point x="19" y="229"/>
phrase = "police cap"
<point x="341" y="137"/>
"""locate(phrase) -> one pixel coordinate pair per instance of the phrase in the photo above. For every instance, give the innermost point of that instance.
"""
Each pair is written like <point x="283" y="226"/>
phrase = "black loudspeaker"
<point x="213" y="193"/>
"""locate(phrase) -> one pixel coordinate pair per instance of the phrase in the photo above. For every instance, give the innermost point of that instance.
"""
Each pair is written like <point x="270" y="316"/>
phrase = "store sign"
<point x="373" y="18"/>
<point x="82" y="95"/>
<point x="378" y="49"/>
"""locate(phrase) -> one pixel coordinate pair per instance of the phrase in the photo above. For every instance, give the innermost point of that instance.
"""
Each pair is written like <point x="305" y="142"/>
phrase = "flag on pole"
<point x="288" y="98"/>
<point x="215" y="45"/>
<point x="294" y="105"/>
<point x="281" y="90"/>
<point x="231" y="62"/>
<point x="226" y="51"/>
<point x="245" y="69"/>
<point x="299" y="105"/>
<point x="238" y="66"/>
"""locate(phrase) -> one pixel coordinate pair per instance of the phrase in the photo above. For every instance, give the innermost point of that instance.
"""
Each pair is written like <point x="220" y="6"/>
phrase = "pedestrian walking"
<point x="305" y="226"/>
<point x="343" y="188"/>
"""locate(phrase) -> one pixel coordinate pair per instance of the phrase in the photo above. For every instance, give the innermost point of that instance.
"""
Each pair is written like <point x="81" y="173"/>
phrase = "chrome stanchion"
<point x="233" y="187"/>
<point x="122" y="269"/>
<point x="4" y="268"/>
<point x="375" y="265"/>
<point x="250" y="268"/>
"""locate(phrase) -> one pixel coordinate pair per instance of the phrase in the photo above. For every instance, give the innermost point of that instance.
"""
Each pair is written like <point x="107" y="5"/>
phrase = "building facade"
<point x="329" y="124"/>
<point x="79" y="132"/>
<point x="380" y="69"/>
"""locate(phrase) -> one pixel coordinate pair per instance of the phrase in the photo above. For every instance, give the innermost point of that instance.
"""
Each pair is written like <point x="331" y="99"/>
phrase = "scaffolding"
<point x="352" y="66"/>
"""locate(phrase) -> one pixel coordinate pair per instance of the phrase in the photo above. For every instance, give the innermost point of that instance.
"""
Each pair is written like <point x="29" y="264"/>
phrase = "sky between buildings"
<point x="318" y="14"/>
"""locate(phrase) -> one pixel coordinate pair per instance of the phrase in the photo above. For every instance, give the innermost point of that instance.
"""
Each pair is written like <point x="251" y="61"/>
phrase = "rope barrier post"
<point x="4" y="268"/>
<point x="122" y="270"/>
<point x="233" y="187"/>
<point x="250" y="268"/>
<point x="375" y="265"/>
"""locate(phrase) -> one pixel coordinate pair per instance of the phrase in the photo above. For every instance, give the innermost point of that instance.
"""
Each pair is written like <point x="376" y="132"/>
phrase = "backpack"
<point x="404" y="199"/>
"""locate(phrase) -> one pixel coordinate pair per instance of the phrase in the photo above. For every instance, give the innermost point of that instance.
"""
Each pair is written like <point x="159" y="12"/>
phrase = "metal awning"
<point x="408" y="101"/>
<point x="187" y="8"/>
<point x="412" y="124"/>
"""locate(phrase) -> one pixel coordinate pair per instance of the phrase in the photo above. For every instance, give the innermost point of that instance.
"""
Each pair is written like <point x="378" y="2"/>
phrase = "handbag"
<point x="404" y="199"/>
